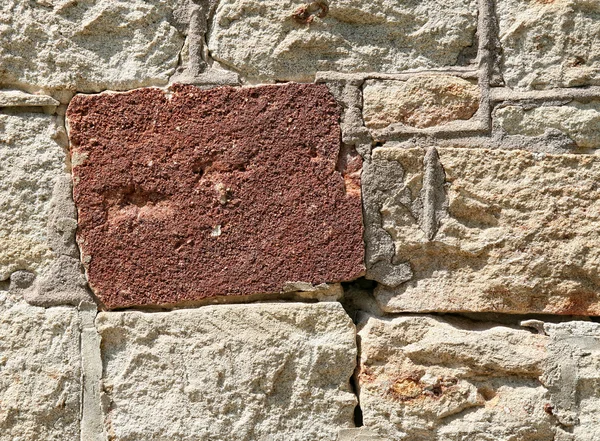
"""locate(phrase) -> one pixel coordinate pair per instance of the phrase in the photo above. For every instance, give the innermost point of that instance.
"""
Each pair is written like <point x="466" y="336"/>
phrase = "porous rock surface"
<point x="39" y="372"/>
<point x="238" y="372"/>
<point x="434" y="379"/>
<point x="31" y="162"/>
<point x="422" y="101"/>
<point x="579" y="121"/>
<point x="211" y="193"/>
<point x="87" y="45"/>
<point x="292" y="39"/>
<point x="549" y="43"/>
<point x="489" y="230"/>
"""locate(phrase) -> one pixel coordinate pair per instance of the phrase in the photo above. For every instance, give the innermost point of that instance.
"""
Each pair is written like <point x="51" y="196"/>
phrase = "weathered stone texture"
<point x="572" y="375"/>
<point x="422" y="101"/>
<point x="549" y="43"/>
<point x="87" y="45"/>
<point x="291" y="39"/>
<point x="209" y="193"/>
<point x="236" y="372"/>
<point x="39" y="373"/>
<point x="31" y="162"/>
<point x="429" y="379"/>
<point x="579" y="121"/>
<point x="509" y="231"/>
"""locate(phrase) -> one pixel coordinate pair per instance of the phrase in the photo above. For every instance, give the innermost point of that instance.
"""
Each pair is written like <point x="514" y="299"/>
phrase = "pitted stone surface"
<point x="578" y="121"/>
<point x="425" y="378"/>
<point x="39" y="372"/>
<point x="422" y="101"/>
<point x="508" y="231"/>
<point x="224" y="192"/>
<point x="229" y="372"/>
<point x="87" y="45"/>
<point x="31" y="163"/>
<point x="549" y="43"/>
<point x="292" y="39"/>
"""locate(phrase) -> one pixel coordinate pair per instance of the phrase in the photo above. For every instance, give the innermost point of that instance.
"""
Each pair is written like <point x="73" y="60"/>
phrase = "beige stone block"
<point x="578" y="121"/>
<point x="434" y="379"/>
<point x="31" y="163"/>
<point x="549" y="43"/>
<point x="86" y="45"/>
<point x="490" y="230"/>
<point x="229" y="372"/>
<point x="39" y="372"/>
<point x="292" y="39"/>
<point x="422" y="101"/>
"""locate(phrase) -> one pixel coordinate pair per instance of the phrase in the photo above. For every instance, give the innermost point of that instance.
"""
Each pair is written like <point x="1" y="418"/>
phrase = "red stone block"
<point x="191" y="194"/>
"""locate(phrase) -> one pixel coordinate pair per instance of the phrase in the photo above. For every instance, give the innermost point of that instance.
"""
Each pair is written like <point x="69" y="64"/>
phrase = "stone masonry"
<point x="336" y="220"/>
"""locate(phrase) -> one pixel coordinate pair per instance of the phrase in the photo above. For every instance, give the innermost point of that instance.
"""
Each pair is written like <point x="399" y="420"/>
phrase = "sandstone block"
<point x="426" y="378"/>
<point x="578" y="121"/>
<point x="39" y="373"/>
<point x="31" y="162"/>
<point x="222" y="192"/>
<point x="238" y="372"/>
<point x="87" y="45"/>
<point x="291" y="40"/>
<point x="481" y="230"/>
<point x="549" y="43"/>
<point x="422" y="101"/>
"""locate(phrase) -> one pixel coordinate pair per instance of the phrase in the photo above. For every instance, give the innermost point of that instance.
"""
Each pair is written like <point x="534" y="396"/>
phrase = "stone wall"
<point x="260" y="220"/>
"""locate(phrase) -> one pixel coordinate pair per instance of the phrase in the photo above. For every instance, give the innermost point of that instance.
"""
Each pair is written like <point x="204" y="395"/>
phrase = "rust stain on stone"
<point x="307" y="13"/>
<point x="225" y="192"/>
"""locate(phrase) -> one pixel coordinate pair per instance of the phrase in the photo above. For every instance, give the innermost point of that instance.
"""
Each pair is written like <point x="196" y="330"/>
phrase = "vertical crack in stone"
<point x="433" y="194"/>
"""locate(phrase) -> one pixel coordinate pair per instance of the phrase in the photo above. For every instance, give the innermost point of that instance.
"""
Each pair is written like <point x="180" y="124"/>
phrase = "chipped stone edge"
<point x="18" y="98"/>
<point x="303" y="292"/>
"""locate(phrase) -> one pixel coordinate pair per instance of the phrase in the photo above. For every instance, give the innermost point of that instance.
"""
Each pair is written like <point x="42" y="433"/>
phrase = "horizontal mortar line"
<point x="506" y="94"/>
<point x="201" y="304"/>
<point x="467" y="72"/>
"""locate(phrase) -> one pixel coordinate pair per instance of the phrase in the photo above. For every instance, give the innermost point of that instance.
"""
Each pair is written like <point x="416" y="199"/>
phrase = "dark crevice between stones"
<point x="4" y="284"/>
<point x="216" y="301"/>
<point x="359" y="300"/>
<point x="358" y="415"/>
<point x="353" y="291"/>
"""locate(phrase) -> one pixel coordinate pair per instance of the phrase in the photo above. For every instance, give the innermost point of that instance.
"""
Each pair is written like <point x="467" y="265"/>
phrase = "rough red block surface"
<point x="196" y="193"/>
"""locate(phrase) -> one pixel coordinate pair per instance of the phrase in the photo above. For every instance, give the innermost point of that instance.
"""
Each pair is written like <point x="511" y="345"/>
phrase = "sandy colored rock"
<point x="579" y="121"/>
<point x="422" y="101"/>
<point x="482" y="230"/>
<point x="31" y="162"/>
<point x="210" y="193"/>
<point x="237" y="372"/>
<point x="291" y="39"/>
<point x="549" y="43"/>
<point x="426" y="378"/>
<point x="87" y="45"/>
<point x="40" y="372"/>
